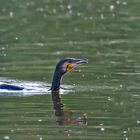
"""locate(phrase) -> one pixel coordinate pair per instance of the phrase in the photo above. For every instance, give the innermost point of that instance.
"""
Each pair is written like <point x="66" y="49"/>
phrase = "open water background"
<point x="34" y="35"/>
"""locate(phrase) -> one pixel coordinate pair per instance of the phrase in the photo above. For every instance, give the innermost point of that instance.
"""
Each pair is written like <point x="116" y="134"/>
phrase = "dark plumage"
<point x="10" y="87"/>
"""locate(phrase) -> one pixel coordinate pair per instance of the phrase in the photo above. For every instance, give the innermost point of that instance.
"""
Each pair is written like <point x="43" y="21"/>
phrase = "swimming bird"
<point x="64" y="65"/>
<point x="64" y="116"/>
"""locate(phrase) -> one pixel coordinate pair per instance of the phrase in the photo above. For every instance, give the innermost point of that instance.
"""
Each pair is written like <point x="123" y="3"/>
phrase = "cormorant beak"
<point x="78" y="62"/>
<point x="75" y="63"/>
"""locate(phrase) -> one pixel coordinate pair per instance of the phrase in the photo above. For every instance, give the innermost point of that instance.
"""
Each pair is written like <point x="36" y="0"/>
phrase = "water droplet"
<point x="101" y="124"/>
<point x="16" y="38"/>
<point x="70" y="11"/>
<point x="124" y="132"/>
<point x="118" y="2"/>
<point x="39" y="44"/>
<point x="102" y="129"/>
<point x="6" y="137"/>
<point x="40" y="9"/>
<point x="12" y="130"/>
<point x="69" y="6"/>
<point x="11" y="14"/>
<point x="108" y="98"/>
<point x="79" y="70"/>
<point x="113" y="15"/>
<point x="83" y="75"/>
<point x="70" y="42"/>
<point x="78" y="14"/>
<point x="54" y="11"/>
<point x="102" y="16"/>
<point x="121" y="85"/>
<point x="3" y="48"/>
<point x="98" y="77"/>
<point x="124" y="3"/>
<point x="75" y="29"/>
<point x="111" y="7"/>
<point x="40" y="120"/>
<point x="90" y="18"/>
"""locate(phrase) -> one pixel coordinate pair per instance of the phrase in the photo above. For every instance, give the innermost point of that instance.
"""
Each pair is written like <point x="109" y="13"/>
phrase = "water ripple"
<point x="30" y="88"/>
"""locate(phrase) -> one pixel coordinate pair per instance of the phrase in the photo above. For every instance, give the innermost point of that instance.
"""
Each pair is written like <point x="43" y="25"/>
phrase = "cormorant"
<point x="63" y="66"/>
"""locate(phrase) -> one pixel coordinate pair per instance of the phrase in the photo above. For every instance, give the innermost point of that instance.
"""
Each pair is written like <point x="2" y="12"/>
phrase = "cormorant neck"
<point x="56" y="81"/>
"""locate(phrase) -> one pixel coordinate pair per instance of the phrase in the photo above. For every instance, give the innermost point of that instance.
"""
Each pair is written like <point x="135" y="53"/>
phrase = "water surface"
<point x="34" y="35"/>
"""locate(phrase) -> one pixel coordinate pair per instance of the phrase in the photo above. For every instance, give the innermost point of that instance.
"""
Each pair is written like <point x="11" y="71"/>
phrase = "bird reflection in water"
<point x="66" y="116"/>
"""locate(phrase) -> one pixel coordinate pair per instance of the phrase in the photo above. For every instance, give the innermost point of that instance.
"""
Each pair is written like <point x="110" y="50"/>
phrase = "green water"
<point x="34" y="35"/>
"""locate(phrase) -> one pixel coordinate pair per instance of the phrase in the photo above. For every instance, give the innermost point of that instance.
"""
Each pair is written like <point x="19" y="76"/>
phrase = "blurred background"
<point x="34" y="35"/>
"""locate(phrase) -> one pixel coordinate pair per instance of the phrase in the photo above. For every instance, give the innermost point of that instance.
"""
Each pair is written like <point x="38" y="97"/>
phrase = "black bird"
<point x="63" y="66"/>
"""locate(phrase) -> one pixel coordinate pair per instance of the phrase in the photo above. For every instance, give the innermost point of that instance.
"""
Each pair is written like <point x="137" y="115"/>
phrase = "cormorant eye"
<point x="69" y="66"/>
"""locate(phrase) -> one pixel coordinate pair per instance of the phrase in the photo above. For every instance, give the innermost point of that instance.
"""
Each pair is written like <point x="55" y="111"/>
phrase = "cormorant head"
<point x="64" y="65"/>
<point x="67" y="64"/>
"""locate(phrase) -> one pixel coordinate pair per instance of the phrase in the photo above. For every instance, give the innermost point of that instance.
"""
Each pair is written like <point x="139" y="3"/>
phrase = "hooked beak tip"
<point x="81" y="61"/>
